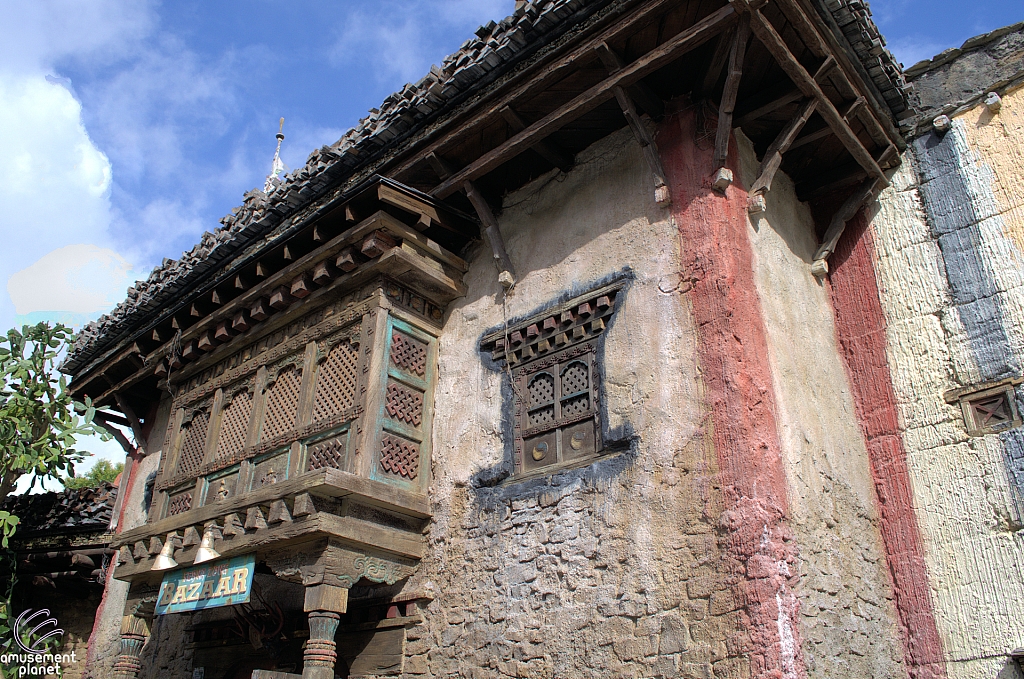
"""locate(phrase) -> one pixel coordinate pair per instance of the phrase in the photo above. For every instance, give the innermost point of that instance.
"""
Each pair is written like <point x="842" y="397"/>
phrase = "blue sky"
<point x="129" y="127"/>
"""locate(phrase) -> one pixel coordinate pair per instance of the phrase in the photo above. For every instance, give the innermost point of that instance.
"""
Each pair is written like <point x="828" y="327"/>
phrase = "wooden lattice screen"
<point x="282" y="404"/>
<point x="234" y="425"/>
<point x="194" y="445"/>
<point x="336" y="382"/>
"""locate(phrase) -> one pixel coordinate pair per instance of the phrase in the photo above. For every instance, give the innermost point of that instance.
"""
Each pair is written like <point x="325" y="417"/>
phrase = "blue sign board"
<point x="218" y="583"/>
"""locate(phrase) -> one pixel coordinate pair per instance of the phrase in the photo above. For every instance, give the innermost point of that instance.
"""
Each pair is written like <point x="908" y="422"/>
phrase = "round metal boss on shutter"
<point x="539" y="451"/>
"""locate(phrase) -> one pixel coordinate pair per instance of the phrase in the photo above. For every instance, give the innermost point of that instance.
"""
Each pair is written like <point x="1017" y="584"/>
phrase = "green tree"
<point x="38" y="418"/>
<point x="100" y="472"/>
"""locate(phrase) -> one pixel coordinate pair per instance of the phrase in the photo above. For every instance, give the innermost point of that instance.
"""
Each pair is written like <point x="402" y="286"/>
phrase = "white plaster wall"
<point x="960" y="490"/>
<point x="605" y="571"/>
<point x="847" y="615"/>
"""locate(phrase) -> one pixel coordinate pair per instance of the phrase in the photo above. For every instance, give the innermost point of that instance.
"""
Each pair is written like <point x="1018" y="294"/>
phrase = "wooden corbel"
<point x="846" y="211"/>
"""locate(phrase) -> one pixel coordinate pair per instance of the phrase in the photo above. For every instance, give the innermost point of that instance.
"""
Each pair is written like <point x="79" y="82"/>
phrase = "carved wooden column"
<point x="134" y="633"/>
<point x="324" y="604"/>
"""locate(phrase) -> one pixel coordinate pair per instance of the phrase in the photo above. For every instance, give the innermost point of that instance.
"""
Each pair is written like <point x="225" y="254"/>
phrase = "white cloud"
<point x="913" y="48"/>
<point x="54" y="182"/>
<point x="81" y="279"/>
<point x="34" y="35"/>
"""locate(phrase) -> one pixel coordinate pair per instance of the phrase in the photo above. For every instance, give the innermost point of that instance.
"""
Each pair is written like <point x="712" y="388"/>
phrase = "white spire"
<point x="277" y="167"/>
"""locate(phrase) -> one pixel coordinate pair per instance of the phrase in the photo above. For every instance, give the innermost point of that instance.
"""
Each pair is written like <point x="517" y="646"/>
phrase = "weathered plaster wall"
<point x="847" y="619"/>
<point x="104" y="642"/>
<point x="949" y="265"/>
<point x="610" y="570"/>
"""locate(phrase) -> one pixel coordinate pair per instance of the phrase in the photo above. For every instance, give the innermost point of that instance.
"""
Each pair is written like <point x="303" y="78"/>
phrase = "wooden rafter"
<point x="640" y="133"/>
<point x="737" y="52"/>
<point x="774" y="43"/>
<point x="547" y="150"/>
<point x="665" y="53"/>
<point x="773" y="156"/>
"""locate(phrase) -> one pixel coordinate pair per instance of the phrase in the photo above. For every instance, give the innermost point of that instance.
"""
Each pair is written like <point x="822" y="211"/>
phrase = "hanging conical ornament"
<point x="206" y="552"/>
<point x="165" y="559"/>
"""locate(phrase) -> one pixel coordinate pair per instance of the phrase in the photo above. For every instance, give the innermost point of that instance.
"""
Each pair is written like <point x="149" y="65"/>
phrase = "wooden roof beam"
<point x="547" y="150"/>
<point x="665" y="53"/>
<point x="774" y="43"/>
<point x="770" y="107"/>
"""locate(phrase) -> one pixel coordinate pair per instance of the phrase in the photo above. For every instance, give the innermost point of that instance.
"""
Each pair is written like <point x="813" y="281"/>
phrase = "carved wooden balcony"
<point x="299" y="428"/>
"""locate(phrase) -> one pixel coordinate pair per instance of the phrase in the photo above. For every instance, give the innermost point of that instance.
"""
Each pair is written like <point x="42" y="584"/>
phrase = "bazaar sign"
<point x="218" y="583"/>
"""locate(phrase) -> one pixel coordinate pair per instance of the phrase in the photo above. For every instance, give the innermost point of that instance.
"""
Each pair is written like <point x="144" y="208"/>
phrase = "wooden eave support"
<point x="133" y="422"/>
<point x="547" y="150"/>
<point x="774" y="43"/>
<point x="640" y="133"/>
<point x="737" y="52"/>
<point x="108" y="427"/>
<point x="773" y="156"/>
<point x="846" y="211"/>
<point x="665" y="53"/>
<point x="491" y="232"/>
<point x="722" y="49"/>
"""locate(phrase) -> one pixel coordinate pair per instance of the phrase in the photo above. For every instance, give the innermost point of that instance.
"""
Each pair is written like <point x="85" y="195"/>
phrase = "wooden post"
<point x="731" y="89"/>
<point x="134" y="633"/>
<point x="324" y="604"/>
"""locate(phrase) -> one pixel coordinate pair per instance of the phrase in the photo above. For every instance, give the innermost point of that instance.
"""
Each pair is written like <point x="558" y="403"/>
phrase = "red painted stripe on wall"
<point x="860" y="327"/>
<point x="716" y="265"/>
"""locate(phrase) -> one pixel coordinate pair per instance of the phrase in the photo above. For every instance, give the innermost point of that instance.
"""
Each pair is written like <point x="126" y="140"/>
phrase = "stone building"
<point x="639" y="339"/>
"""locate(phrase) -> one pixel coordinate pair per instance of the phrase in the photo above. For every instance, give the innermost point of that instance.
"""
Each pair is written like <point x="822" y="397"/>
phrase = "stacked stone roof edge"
<point x="971" y="44"/>
<point x="68" y="511"/>
<point x="494" y="48"/>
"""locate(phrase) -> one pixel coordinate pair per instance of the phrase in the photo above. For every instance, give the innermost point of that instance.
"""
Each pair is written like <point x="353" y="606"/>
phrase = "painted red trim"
<point x="717" y="269"/>
<point x="860" y="329"/>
